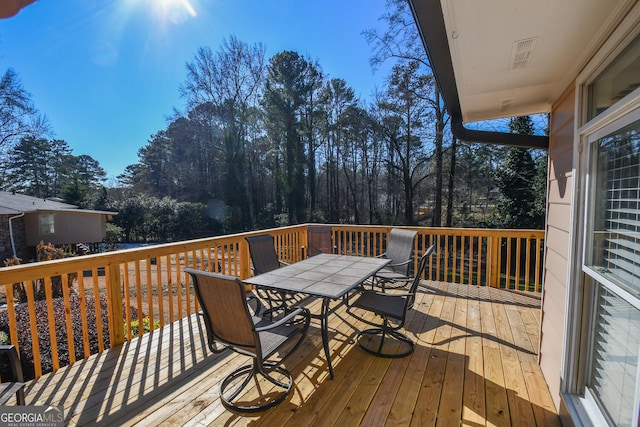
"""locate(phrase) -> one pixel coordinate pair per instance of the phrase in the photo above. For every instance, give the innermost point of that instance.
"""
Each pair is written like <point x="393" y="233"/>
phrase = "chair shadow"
<point x="489" y="402"/>
<point x="116" y="382"/>
<point x="128" y="378"/>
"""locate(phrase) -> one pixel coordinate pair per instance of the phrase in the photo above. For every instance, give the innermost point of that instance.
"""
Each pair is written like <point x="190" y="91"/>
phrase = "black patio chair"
<point x="393" y="308"/>
<point x="320" y="240"/>
<point x="264" y="259"/>
<point x="230" y="325"/>
<point x="11" y="375"/>
<point x="399" y="251"/>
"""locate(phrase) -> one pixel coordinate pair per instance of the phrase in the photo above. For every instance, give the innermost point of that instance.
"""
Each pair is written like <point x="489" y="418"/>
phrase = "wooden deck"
<point x="475" y="364"/>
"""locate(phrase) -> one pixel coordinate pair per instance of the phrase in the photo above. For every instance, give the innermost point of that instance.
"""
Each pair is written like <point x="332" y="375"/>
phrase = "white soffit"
<point x="515" y="57"/>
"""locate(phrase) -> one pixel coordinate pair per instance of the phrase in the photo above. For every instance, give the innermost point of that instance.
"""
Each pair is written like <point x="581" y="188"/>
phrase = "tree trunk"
<point x="436" y="220"/>
<point x="452" y="174"/>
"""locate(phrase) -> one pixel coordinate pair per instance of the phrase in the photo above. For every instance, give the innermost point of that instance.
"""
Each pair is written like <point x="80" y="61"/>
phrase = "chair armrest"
<point x="397" y="264"/>
<point x="283" y="262"/>
<point x="382" y="255"/>
<point x="384" y="294"/>
<point x="285" y="319"/>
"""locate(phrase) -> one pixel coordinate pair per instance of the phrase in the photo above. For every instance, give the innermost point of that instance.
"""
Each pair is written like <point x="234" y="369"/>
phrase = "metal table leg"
<point x="324" y="326"/>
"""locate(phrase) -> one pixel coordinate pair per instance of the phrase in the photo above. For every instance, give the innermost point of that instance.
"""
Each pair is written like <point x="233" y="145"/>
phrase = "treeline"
<point x="276" y="142"/>
<point x="264" y="142"/>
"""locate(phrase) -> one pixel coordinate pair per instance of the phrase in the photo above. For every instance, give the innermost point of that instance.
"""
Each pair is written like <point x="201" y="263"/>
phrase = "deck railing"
<point x="107" y="298"/>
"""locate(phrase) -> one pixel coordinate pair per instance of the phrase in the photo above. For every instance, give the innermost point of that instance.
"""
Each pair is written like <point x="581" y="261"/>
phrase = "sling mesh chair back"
<point x="263" y="253"/>
<point x="230" y="325"/>
<point x="392" y="307"/>
<point x="319" y="240"/>
<point x="399" y="251"/>
<point x="264" y="259"/>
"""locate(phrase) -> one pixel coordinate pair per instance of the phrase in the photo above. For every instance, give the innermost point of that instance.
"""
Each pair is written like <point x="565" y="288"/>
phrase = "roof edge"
<point x="431" y="26"/>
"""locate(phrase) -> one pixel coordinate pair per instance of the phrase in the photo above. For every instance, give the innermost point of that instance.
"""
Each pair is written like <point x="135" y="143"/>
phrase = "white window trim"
<point x="584" y="410"/>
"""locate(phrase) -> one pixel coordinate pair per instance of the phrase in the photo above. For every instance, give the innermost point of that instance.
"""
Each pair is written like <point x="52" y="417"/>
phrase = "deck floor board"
<point x="475" y="363"/>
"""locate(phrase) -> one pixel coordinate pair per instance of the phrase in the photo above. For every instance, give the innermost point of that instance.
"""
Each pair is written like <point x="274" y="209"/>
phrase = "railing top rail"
<point x="32" y="271"/>
<point x="36" y="270"/>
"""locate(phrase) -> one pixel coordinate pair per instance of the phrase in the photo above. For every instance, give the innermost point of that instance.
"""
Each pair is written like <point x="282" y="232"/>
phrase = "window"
<point x="613" y="374"/>
<point x="615" y="228"/>
<point x="618" y="80"/>
<point x="608" y="376"/>
<point x="612" y="262"/>
<point x="47" y="223"/>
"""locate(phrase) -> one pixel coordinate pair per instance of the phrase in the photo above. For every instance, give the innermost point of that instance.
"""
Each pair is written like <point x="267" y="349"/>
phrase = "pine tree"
<point x="515" y="180"/>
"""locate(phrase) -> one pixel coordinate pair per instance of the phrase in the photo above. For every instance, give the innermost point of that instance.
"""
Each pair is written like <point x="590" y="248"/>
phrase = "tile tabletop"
<point x="323" y="275"/>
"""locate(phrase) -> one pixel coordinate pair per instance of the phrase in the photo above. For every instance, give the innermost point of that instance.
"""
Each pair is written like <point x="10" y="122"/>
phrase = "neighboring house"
<point x="26" y="220"/>
<point x="579" y="61"/>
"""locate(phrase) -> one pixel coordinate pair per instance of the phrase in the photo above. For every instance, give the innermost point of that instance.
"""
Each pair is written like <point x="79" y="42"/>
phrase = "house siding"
<point x="70" y="227"/>
<point x="560" y="183"/>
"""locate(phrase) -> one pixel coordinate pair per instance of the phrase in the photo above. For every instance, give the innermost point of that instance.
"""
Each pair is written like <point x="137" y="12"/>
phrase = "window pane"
<point x="616" y="226"/>
<point x="47" y="223"/>
<point x="614" y="357"/>
<point x="618" y="80"/>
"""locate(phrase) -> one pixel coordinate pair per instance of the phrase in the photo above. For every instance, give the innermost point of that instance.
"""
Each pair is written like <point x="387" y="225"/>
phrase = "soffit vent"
<point x="521" y="53"/>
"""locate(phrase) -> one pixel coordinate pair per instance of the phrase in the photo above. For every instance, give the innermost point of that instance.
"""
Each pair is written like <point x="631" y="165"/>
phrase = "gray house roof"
<point x="14" y="204"/>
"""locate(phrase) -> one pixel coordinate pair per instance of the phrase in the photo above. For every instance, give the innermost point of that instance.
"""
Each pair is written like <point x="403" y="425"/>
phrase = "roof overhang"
<point x="75" y="211"/>
<point x="506" y="58"/>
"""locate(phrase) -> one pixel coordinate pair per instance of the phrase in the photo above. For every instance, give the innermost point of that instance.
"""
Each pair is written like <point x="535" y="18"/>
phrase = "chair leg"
<point x="384" y="332"/>
<point x="20" y="399"/>
<point x="230" y="398"/>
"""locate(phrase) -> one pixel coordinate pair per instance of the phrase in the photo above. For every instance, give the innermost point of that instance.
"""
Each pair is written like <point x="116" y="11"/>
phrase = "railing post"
<point x="245" y="267"/>
<point x="114" y="293"/>
<point x="304" y="243"/>
<point x="494" y="268"/>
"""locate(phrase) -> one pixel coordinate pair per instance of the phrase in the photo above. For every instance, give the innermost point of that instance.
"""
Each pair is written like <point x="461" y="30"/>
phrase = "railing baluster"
<point x="518" y="258"/>
<point x="127" y="299"/>
<point x="539" y="254"/>
<point x="98" y="310"/>
<point x="68" y="320"/>
<point x="527" y="265"/>
<point x="53" y="342"/>
<point x="187" y="288"/>
<point x="160" y="290"/>
<point x="470" y="256"/>
<point x="509" y="258"/>
<point x="138" y="288"/>
<point x="83" y="314"/>
<point x="169" y="287"/>
<point x="33" y="327"/>
<point x="149" y="281"/>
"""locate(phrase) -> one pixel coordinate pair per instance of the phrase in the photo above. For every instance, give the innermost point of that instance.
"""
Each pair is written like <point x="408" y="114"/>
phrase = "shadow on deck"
<point x="475" y="363"/>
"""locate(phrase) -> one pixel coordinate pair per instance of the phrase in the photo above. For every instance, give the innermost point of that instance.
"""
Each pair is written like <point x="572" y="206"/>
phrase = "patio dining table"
<point x="325" y="276"/>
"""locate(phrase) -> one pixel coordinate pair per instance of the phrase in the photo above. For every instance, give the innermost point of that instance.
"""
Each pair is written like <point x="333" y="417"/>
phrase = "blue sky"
<point x="106" y="73"/>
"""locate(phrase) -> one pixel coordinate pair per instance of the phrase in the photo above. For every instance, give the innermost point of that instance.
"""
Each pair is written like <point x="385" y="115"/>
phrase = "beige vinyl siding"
<point x="70" y="227"/>
<point x="560" y="182"/>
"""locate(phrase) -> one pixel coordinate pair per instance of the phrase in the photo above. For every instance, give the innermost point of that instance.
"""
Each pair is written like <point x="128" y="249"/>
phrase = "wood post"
<point x="114" y="294"/>
<point x="493" y="262"/>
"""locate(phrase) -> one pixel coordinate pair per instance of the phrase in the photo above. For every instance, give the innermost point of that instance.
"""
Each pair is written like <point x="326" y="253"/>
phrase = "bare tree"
<point x="230" y="82"/>
<point x="402" y="114"/>
<point x="18" y="116"/>
<point x="401" y="42"/>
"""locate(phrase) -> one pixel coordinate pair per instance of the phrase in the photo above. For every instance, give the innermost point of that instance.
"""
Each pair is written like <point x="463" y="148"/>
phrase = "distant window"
<point x="47" y="224"/>
<point x="618" y="80"/>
